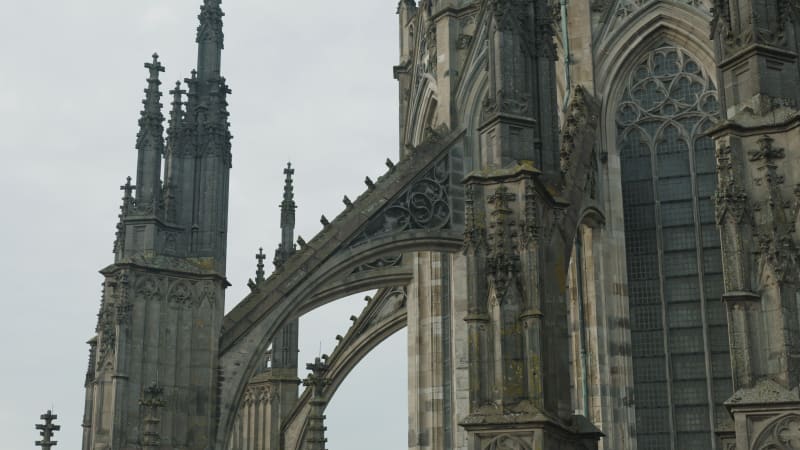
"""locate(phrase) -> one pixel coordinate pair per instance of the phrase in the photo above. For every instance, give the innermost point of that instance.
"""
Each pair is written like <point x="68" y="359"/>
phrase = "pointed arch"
<point x="658" y="102"/>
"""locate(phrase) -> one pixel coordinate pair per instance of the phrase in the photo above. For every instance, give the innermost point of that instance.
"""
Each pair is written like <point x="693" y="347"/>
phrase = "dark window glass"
<point x="672" y="249"/>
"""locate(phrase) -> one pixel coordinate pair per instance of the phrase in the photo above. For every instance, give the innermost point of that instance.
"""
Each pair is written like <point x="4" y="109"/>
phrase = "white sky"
<point x="312" y="83"/>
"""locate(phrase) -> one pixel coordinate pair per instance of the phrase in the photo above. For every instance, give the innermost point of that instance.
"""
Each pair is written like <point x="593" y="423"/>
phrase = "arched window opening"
<point x="681" y="364"/>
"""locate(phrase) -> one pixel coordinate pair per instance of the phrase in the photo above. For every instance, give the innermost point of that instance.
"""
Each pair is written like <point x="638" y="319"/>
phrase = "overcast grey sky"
<point x="312" y="83"/>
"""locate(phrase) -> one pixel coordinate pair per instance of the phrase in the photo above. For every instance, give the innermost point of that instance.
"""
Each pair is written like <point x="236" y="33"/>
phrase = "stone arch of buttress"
<point x="409" y="209"/>
<point x="384" y="315"/>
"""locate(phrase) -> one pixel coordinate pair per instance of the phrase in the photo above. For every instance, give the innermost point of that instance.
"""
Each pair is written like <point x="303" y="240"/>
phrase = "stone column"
<point x="438" y="388"/>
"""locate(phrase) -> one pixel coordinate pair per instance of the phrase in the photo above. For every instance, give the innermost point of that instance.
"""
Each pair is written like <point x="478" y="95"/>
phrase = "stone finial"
<point x="316" y="379"/>
<point x="260" y="257"/>
<point x="210" y="38"/>
<point x="47" y="429"/>
<point x="347" y="202"/>
<point x="127" y="196"/>
<point x="177" y="109"/>
<point x="155" y="67"/>
<point x="152" y="107"/>
<point x="127" y="205"/>
<point x="288" y="206"/>
<point x="191" y="82"/>
<point x="370" y="184"/>
<point x="150" y="141"/>
<point x="389" y="164"/>
<point x="324" y="221"/>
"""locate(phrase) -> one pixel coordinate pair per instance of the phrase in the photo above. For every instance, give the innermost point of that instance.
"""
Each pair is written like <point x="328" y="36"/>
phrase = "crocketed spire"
<point x="150" y="143"/>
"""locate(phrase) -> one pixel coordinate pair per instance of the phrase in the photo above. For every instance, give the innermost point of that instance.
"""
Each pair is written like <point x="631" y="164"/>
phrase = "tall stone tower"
<point x="163" y="297"/>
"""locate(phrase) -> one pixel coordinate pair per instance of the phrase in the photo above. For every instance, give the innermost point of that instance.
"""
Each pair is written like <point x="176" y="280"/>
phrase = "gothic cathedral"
<point x="589" y="231"/>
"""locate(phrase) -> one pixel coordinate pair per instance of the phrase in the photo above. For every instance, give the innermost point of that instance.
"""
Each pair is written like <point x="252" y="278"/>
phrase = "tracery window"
<point x="678" y="326"/>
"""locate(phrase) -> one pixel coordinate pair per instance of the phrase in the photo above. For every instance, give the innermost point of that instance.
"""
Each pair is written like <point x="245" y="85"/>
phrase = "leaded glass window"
<point x="680" y="353"/>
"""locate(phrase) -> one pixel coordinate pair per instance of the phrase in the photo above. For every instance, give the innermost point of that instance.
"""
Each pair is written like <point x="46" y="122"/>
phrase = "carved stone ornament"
<point x="208" y="294"/>
<point x="390" y="301"/>
<point x="577" y="118"/>
<point x="107" y="333"/>
<point x="731" y="202"/>
<point x="515" y="102"/>
<point x="180" y="294"/>
<point x="463" y="42"/>
<point x="779" y="253"/>
<point x="509" y="442"/>
<point x="170" y="262"/>
<point x="427" y="56"/>
<point x="768" y="31"/>
<point x="257" y="394"/>
<point x="474" y="230"/>
<point x="730" y="198"/>
<point x="389" y="261"/>
<point x="530" y="228"/>
<point x="425" y="205"/>
<point x="147" y="288"/>
<point x="782" y="434"/>
<point x="509" y="14"/>
<point x="503" y="261"/>
<point x="124" y="306"/>
<point x="210" y="29"/>
<point x="766" y="151"/>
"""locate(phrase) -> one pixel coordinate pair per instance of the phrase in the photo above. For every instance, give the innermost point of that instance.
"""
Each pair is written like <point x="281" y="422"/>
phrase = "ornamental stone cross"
<point x="128" y="188"/>
<point x="260" y="266"/>
<point x="316" y="379"/>
<point x="501" y="198"/>
<point x="46" y="430"/>
<point x="154" y="67"/>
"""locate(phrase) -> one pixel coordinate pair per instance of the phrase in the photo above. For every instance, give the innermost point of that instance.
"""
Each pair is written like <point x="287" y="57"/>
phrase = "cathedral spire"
<point x="150" y="142"/>
<point x="288" y="206"/>
<point x="210" y="40"/>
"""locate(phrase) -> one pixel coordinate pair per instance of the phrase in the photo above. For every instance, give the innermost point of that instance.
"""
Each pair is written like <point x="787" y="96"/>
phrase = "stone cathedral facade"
<point x="590" y="232"/>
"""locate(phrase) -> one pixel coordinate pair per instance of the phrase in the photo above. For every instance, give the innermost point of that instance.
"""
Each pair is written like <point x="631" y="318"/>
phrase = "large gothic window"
<point x="679" y="330"/>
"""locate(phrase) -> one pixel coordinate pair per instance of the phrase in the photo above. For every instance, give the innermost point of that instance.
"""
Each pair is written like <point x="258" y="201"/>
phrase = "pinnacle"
<point x="155" y="67"/>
